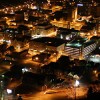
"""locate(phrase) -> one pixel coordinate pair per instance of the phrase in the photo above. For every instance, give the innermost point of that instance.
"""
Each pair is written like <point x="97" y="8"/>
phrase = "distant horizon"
<point x="11" y="3"/>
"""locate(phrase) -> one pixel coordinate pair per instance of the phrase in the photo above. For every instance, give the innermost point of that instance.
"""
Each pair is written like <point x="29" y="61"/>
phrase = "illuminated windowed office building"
<point x="79" y="48"/>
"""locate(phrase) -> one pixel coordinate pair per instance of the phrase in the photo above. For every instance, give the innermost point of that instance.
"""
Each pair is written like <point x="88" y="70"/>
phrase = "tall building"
<point x="71" y="13"/>
<point x="64" y="17"/>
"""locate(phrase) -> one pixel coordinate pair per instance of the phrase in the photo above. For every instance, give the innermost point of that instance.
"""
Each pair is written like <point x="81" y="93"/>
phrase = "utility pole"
<point x="1" y="87"/>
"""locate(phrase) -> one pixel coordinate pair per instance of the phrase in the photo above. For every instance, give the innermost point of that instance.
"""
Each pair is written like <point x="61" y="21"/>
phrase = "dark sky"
<point x="4" y="3"/>
<point x="12" y="1"/>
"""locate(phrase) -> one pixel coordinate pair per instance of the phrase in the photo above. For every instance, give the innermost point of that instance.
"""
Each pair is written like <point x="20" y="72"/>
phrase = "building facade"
<point x="79" y="49"/>
<point x="46" y="44"/>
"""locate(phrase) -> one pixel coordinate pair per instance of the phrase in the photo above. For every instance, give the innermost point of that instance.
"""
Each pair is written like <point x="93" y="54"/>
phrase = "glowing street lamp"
<point x="75" y="86"/>
<point x="77" y="83"/>
<point x="9" y="91"/>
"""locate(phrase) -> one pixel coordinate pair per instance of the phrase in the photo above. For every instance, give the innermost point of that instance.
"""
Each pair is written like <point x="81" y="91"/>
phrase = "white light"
<point x="9" y="91"/>
<point x="67" y="38"/>
<point x="24" y="70"/>
<point x="61" y="37"/>
<point x="76" y="83"/>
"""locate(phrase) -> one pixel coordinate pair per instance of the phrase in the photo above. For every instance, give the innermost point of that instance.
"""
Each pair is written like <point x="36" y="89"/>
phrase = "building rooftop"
<point x="66" y="31"/>
<point x="79" y="42"/>
<point x="89" y="43"/>
<point x="22" y="39"/>
<point x="49" y="41"/>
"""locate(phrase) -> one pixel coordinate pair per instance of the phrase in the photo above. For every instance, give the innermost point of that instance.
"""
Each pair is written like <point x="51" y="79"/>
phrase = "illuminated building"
<point x="80" y="47"/>
<point x="72" y="14"/>
<point x="42" y="29"/>
<point x="20" y="43"/>
<point x="46" y="44"/>
<point x="64" y="17"/>
<point x="94" y="58"/>
<point x="67" y="34"/>
<point x="42" y="58"/>
<point x="9" y="33"/>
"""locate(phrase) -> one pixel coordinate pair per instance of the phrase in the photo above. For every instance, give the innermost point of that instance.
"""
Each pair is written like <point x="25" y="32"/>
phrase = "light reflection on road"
<point x="62" y="94"/>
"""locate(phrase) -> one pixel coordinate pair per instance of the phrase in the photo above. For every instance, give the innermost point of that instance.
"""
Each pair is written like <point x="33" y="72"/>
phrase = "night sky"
<point x="6" y="3"/>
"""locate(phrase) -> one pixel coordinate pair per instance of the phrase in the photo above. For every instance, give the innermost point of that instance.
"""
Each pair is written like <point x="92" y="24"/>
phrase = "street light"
<point x="2" y="87"/>
<point x="9" y="91"/>
<point x="77" y="83"/>
<point x="75" y="86"/>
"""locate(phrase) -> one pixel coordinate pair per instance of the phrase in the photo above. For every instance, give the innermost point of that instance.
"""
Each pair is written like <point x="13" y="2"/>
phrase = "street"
<point x="61" y="94"/>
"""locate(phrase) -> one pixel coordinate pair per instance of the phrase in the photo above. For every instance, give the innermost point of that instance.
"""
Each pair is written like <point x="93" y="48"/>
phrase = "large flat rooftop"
<point x="79" y="42"/>
<point x="66" y="31"/>
<point x="49" y="41"/>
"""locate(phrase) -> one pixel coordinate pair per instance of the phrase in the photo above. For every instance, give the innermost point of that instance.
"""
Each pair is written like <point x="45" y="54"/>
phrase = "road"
<point x="4" y="68"/>
<point x="62" y="94"/>
<point x="68" y="93"/>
